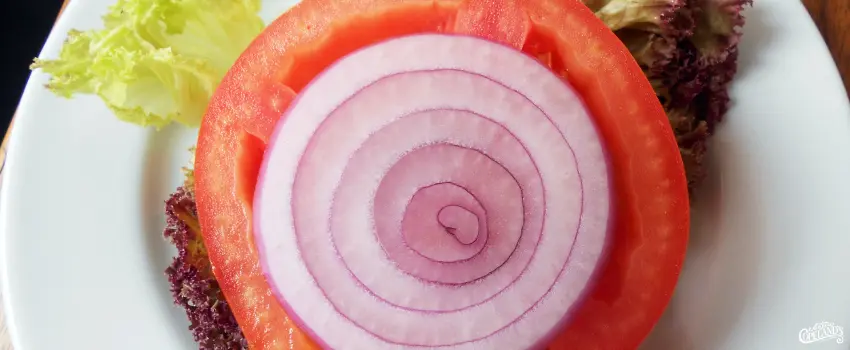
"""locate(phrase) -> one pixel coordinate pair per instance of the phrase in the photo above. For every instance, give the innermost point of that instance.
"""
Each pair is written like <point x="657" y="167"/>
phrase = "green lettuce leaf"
<point x="155" y="61"/>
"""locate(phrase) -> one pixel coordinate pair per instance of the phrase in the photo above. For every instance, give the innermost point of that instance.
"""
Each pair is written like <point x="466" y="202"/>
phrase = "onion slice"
<point x="433" y="191"/>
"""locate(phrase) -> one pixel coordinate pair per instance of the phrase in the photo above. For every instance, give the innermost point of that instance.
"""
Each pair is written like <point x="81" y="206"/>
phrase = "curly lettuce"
<point x="688" y="50"/>
<point x="155" y="61"/>
<point x="658" y="16"/>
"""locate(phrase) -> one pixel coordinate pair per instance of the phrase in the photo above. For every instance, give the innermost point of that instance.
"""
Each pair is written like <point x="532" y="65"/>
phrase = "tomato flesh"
<point x="651" y="212"/>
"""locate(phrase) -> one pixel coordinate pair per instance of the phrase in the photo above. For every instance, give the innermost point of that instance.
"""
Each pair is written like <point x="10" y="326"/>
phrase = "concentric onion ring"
<point x="433" y="191"/>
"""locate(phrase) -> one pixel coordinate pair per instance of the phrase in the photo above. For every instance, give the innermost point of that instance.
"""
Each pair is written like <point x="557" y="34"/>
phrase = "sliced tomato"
<point x="652" y="205"/>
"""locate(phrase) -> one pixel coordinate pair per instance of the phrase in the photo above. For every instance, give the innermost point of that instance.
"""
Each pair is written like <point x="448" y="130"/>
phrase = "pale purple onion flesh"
<point x="433" y="191"/>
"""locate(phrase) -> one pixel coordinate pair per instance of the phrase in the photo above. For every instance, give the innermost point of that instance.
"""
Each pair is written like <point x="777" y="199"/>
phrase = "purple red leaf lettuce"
<point x="193" y="285"/>
<point x="688" y="50"/>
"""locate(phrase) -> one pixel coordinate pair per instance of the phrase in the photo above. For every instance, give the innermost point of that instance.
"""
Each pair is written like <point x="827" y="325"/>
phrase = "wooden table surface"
<point x="831" y="16"/>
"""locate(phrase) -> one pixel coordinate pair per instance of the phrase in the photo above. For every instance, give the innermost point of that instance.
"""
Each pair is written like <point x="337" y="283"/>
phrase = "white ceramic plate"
<point x="81" y="209"/>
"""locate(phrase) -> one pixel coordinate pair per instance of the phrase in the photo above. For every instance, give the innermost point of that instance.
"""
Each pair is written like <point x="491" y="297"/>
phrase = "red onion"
<point x="433" y="191"/>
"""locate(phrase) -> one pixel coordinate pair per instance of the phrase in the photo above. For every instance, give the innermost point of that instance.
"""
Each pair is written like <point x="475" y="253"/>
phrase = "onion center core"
<point x="460" y="223"/>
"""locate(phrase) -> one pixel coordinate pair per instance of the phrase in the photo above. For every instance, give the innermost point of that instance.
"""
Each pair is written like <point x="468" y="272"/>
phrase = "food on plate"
<point x="635" y="88"/>
<point x="155" y="61"/>
<point x="471" y="211"/>
<point x="648" y="185"/>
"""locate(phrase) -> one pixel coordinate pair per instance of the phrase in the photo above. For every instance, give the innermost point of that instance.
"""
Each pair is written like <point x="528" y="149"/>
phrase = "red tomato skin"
<point x="651" y="224"/>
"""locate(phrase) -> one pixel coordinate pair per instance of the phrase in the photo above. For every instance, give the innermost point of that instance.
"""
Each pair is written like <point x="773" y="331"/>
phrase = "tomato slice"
<point x="651" y="211"/>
